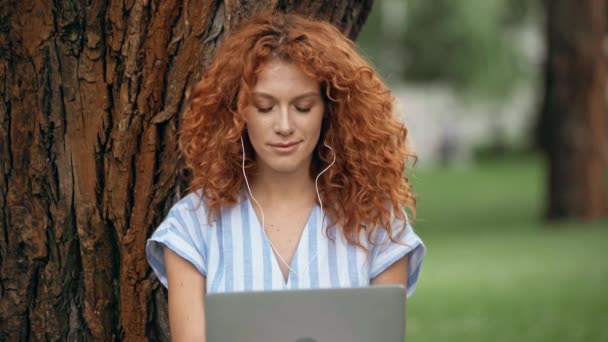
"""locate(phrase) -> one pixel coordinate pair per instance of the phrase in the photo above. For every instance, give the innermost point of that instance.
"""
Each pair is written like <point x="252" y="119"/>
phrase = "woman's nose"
<point x="283" y="124"/>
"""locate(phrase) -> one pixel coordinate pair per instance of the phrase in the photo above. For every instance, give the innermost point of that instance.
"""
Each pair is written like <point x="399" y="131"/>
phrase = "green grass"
<point x="494" y="271"/>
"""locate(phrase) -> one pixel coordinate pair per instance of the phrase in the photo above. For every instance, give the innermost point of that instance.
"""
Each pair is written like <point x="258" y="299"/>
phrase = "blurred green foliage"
<point x="473" y="46"/>
<point x="462" y="43"/>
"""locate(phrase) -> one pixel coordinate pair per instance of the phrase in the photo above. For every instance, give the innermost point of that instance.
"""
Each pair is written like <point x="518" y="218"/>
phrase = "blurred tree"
<point x="91" y="95"/>
<point x="573" y="123"/>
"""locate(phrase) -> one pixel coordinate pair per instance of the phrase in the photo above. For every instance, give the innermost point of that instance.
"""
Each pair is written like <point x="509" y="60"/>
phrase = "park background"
<point x="505" y="101"/>
<point x="469" y="80"/>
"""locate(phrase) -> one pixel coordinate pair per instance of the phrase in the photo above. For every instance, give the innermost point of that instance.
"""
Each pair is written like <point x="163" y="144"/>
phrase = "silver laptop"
<point x="369" y="314"/>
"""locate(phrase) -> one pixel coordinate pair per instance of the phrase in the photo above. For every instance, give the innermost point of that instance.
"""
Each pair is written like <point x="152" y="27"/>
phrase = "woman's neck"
<point x="279" y="189"/>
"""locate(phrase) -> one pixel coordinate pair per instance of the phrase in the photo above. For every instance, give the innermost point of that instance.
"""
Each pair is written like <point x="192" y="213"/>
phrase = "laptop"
<point x="367" y="314"/>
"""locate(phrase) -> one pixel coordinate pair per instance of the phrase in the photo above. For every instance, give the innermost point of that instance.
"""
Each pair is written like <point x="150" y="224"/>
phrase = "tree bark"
<point x="573" y="125"/>
<point x="91" y="96"/>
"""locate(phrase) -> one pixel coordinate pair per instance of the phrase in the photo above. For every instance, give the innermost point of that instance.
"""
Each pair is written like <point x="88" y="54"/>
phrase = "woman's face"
<point x="284" y="117"/>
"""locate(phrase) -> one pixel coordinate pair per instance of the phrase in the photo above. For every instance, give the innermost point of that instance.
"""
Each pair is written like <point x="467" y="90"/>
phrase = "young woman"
<point x="298" y="179"/>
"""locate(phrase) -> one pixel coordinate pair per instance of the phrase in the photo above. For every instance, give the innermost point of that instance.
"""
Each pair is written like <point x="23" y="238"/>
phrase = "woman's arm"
<point x="394" y="274"/>
<point x="187" y="288"/>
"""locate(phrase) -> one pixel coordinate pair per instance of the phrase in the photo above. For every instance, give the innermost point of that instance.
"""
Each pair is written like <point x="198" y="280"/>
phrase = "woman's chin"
<point x="285" y="167"/>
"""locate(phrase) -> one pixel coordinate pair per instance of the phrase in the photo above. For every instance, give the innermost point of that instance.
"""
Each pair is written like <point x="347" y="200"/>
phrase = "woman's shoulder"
<point x="191" y="205"/>
<point x="184" y="231"/>
<point x="193" y="210"/>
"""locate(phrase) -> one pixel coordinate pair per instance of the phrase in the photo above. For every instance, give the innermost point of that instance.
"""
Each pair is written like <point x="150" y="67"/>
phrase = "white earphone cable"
<point x="262" y="210"/>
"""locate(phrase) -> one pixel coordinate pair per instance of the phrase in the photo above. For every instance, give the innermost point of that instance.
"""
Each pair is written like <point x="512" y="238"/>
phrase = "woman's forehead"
<point x="280" y="77"/>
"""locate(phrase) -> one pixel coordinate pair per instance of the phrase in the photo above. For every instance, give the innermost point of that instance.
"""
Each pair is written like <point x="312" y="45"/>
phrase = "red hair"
<point x="367" y="182"/>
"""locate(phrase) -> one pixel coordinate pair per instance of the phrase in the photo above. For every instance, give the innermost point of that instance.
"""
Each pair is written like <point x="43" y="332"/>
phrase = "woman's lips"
<point x="285" y="148"/>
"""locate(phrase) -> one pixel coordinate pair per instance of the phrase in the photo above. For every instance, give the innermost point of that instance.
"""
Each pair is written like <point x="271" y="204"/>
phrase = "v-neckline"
<point x="266" y="243"/>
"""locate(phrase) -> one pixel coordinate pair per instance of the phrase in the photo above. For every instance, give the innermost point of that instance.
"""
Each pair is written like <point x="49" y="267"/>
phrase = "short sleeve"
<point x="182" y="231"/>
<point x="387" y="252"/>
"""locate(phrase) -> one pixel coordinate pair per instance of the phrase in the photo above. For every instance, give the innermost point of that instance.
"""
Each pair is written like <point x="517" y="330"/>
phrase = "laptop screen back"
<point x="366" y="314"/>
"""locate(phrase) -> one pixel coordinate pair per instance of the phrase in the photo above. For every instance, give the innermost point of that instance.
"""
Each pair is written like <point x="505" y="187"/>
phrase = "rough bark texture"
<point x="91" y="95"/>
<point x="573" y="126"/>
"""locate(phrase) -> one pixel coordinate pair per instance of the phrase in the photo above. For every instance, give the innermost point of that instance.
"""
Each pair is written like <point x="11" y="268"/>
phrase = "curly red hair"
<point x="366" y="182"/>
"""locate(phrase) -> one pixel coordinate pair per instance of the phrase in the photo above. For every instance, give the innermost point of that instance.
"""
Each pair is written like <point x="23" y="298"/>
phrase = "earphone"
<point x="262" y="210"/>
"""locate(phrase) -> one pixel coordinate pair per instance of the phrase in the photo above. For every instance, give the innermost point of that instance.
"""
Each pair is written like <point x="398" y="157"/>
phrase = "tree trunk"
<point x="573" y="124"/>
<point x="91" y="96"/>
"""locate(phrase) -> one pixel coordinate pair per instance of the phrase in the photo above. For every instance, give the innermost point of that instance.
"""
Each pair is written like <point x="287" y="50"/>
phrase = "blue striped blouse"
<point x="234" y="255"/>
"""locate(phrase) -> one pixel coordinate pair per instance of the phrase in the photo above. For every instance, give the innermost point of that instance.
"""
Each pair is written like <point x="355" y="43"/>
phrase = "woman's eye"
<point x="265" y="110"/>
<point x="303" y="110"/>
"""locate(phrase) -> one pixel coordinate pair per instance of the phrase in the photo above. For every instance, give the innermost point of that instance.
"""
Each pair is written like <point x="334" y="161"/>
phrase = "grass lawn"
<point x="494" y="271"/>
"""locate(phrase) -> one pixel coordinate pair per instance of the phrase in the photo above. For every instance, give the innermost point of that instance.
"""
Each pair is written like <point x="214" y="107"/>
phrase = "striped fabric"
<point x="234" y="255"/>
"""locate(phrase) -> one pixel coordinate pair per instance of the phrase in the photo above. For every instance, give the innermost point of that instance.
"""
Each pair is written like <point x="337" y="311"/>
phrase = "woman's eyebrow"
<point x="308" y="94"/>
<point x="301" y="96"/>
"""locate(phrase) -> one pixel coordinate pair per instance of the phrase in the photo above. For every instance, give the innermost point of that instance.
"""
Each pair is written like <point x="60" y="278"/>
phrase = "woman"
<point x="297" y="174"/>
